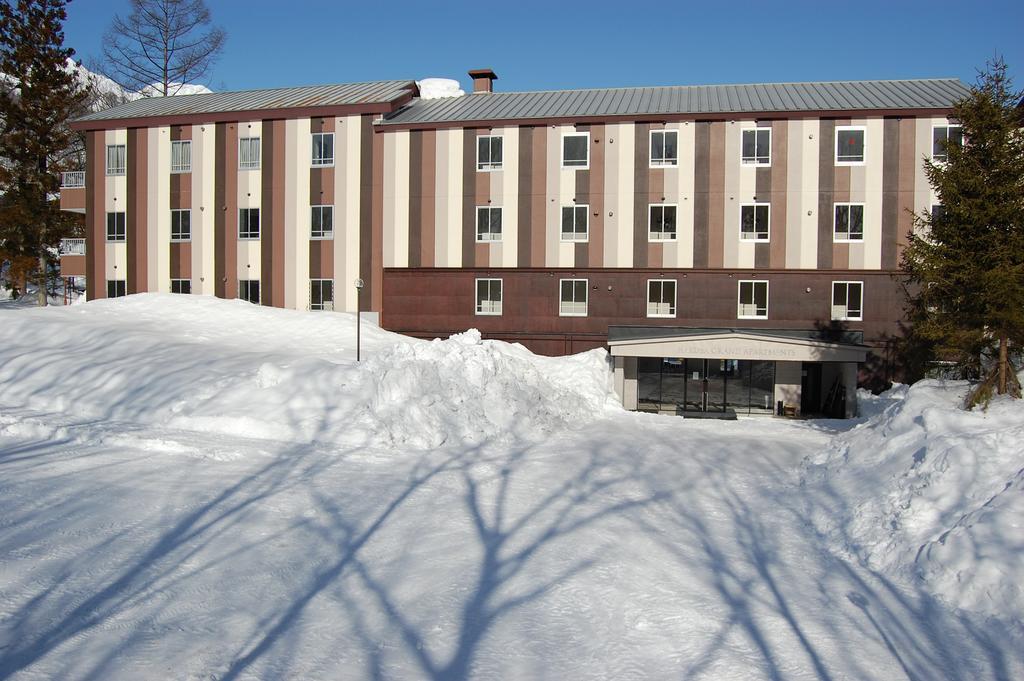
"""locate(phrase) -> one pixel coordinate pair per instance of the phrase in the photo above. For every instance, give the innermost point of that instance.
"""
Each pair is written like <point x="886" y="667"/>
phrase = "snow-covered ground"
<point x="193" y="488"/>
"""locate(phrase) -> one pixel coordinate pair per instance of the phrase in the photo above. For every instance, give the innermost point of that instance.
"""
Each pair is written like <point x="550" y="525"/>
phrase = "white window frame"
<point x="586" y="165"/>
<point x="180" y="211"/>
<point x="181" y="167"/>
<point x="259" y="225"/>
<point x="754" y="163"/>
<point x="845" y="316"/>
<point x="115" y="282"/>
<point x="326" y="306"/>
<point x="947" y="126"/>
<point x="490" y="166"/>
<point x="488" y="308"/>
<point x="250" y="164"/>
<point x="756" y="239"/>
<point x="835" y="222"/>
<point x="489" y="237"/>
<point x="574" y="237"/>
<point x="123" y="153"/>
<point x="835" y="145"/>
<point x="250" y="282"/>
<point x="667" y="163"/>
<point x="323" y="236"/>
<point x="179" y="282"/>
<point x="651" y="236"/>
<point x="322" y="162"/>
<point x="123" y="236"/>
<point x="658" y="312"/>
<point x="574" y="310"/>
<point x="739" y="299"/>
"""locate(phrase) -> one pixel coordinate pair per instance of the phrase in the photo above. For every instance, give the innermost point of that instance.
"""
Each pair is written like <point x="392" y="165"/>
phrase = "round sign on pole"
<point x="359" y="283"/>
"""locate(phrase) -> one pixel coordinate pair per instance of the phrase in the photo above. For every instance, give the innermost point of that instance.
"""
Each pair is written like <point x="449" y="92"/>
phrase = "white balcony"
<point x="74" y="179"/>
<point x="569" y="308"/>
<point x="661" y="310"/>
<point x="752" y="311"/>
<point x="72" y="246"/>
<point x="488" y="307"/>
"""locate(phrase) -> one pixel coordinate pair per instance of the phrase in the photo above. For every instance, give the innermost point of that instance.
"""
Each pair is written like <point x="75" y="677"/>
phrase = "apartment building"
<point x="735" y="247"/>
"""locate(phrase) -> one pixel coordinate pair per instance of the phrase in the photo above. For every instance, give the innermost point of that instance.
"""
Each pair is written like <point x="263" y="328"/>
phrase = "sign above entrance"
<point x="739" y="345"/>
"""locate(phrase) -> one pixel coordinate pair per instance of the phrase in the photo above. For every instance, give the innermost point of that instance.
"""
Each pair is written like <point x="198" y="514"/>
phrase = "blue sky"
<point x="592" y="43"/>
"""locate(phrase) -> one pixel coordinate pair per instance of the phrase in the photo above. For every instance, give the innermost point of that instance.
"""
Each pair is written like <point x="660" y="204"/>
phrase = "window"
<point x="248" y="153"/>
<point x="938" y="213"/>
<point x="661" y="224"/>
<point x="181" y="286"/>
<point x="322" y="222"/>
<point x="576" y="150"/>
<point x="488" y="224"/>
<point x="572" y="297"/>
<point x="754" y="221"/>
<point x="116" y="288"/>
<point x="943" y="137"/>
<point x="488" y="152"/>
<point x="249" y="289"/>
<point x="115" y="159"/>
<point x="181" y="156"/>
<point x="847" y="299"/>
<point x="488" y="296"/>
<point x="661" y="298"/>
<point x="849" y="222"/>
<point x="116" y="227"/>
<point x="575" y="223"/>
<point x="181" y="225"/>
<point x="323" y="148"/>
<point x="321" y="294"/>
<point x="850" y="145"/>
<point x="664" y="148"/>
<point x="756" y="147"/>
<point x="248" y="223"/>
<point x="753" y="300"/>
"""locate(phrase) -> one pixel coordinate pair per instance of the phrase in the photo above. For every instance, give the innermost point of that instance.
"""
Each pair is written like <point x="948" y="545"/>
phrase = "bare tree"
<point x="162" y="45"/>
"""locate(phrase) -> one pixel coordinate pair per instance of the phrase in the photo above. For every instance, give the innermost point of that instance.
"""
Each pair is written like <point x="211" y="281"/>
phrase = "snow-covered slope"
<point x="930" y="492"/>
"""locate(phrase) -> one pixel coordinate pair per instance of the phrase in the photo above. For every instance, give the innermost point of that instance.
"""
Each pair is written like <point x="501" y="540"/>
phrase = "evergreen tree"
<point x="39" y="93"/>
<point x="966" y="261"/>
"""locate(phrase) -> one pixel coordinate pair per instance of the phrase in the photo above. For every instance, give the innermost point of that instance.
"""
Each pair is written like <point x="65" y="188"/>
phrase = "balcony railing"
<point x="74" y="179"/>
<point x="72" y="246"/>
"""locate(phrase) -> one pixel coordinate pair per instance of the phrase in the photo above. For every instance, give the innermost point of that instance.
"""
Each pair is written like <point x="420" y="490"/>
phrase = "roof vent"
<point x="483" y="80"/>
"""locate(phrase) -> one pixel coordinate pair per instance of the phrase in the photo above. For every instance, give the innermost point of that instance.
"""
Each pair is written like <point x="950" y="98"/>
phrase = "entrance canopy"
<point x="780" y="345"/>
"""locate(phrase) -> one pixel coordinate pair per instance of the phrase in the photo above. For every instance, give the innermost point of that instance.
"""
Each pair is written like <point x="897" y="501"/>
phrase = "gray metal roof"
<point x="383" y="91"/>
<point x="691" y="99"/>
<point x="632" y="333"/>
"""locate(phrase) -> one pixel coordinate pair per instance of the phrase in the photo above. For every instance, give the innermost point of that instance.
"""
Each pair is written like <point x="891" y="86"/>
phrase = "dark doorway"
<point x="705" y="385"/>
<point x="810" y="388"/>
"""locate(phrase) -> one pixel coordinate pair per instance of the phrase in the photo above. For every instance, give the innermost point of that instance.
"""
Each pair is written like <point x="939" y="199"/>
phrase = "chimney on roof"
<point x="483" y="80"/>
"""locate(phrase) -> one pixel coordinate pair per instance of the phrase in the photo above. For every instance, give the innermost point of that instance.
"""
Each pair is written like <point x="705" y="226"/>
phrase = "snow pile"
<point x="436" y="88"/>
<point x="198" y="363"/>
<point x="928" y="490"/>
<point x="469" y="390"/>
<point x="176" y="89"/>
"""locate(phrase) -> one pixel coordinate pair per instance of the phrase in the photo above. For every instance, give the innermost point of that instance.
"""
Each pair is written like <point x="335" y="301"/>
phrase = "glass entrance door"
<point x="705" y="385"/>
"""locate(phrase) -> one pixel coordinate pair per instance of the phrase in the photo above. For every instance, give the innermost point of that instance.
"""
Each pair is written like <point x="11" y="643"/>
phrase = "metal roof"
<point x="376" y="92"/>
<point x="690" y="99"/>
<point x="633" y="333"/>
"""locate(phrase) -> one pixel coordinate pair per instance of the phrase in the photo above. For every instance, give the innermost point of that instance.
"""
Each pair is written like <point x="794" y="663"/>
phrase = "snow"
<point x="435" y="88"/>
<point x="197" y="488"/>
<point x="176" y="89"/>
<point x="933" y="493"/>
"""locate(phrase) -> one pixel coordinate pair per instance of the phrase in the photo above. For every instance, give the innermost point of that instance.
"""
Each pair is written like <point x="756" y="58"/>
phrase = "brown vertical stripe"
<point x="890" y="192"/>
<point x="641" y="201"/>
<point x="415" y="255"/>
<point x="539" y="190"/>
<point x="826" y="176"/>
<point x="95" y="219"/>
<point x="376" y="294"/>
<point x="470" y="191"/>
<point x="701" y="187"/>
<point x="581" y="196"/>
<point x="716" y="196"/>
<point x="366" y="211"/>
<point x="595" y="197"/>
<point x="225" y="218"/>
<point x="779" y="189"/>
<point x="429" y="195"/>
<point x="136" y="211"/>
<point x="907" y="162"/>
<point x="181" y="260"/>
<point x="272" y="213"/>
<point x="321" y="259"/>
<point x="655" y="194"/>
<point x="841" y="183"/>
<point x="526" y="197"/>
<point x="763" y="193"/>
